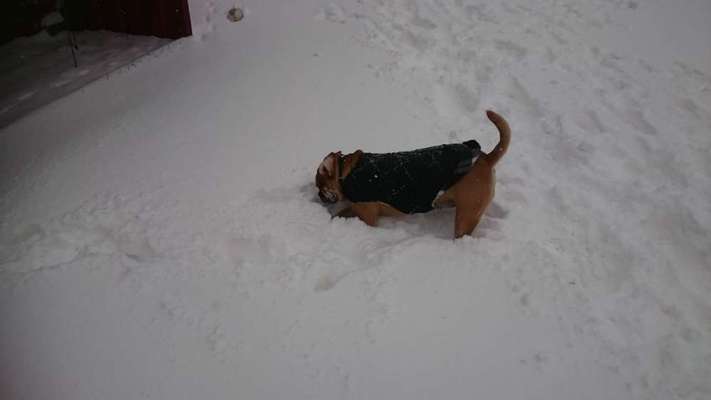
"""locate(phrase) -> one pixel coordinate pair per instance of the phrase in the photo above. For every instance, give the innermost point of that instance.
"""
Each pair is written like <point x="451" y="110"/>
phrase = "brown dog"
<point x="470" y="190"/>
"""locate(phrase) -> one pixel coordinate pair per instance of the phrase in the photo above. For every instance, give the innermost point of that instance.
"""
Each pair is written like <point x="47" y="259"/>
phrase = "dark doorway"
<point x="50" y="48"/>
<point x="161" y="18"/>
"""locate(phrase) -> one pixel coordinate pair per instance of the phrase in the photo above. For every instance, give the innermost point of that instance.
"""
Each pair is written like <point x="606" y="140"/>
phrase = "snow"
<point x="161" y="237"/>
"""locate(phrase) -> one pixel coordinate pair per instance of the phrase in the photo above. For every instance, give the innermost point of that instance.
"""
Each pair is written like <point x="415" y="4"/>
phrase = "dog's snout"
<point x="327" y="197"/>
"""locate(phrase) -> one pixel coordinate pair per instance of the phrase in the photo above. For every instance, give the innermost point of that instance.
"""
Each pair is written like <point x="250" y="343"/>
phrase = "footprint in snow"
<point x="333" y="13"/>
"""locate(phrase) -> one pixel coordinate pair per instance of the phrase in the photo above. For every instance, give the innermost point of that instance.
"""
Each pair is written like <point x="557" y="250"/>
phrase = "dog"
<point x="396" y="184"/>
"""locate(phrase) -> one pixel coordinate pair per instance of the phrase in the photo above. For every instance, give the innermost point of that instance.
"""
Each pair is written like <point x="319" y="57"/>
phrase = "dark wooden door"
<point x="161" y="18"/>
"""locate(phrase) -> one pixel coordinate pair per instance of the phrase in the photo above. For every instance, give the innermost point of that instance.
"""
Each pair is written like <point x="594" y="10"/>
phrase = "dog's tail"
<point x="504" y="138"/>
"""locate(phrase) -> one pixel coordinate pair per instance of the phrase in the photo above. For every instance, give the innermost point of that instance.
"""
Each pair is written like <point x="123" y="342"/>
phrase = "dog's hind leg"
<point x="472" y="195"/>
<point x="465" y="221"/>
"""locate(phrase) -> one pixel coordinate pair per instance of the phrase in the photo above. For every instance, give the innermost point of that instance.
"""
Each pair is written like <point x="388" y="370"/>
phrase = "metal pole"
<point x="72" y="45"/>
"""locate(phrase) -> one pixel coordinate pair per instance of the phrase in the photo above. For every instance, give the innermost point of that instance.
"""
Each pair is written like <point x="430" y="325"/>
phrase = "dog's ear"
<point x="323" y="169"/>
<point x="328" y="165"/>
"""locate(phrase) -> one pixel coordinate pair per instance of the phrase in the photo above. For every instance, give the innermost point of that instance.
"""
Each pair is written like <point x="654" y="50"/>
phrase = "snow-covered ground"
<point x="39" y="69"/>
<point x="160" y="234"/>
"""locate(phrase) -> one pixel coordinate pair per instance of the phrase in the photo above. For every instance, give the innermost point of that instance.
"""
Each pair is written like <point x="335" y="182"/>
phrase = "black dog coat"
<point x="409" y="180"/>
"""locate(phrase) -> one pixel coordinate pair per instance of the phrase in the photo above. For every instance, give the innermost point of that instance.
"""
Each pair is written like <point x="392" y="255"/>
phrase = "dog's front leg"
<point x="368" y="212"/>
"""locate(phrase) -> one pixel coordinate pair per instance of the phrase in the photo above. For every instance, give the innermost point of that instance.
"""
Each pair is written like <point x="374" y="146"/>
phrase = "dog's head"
<point x="327" y="178"/>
